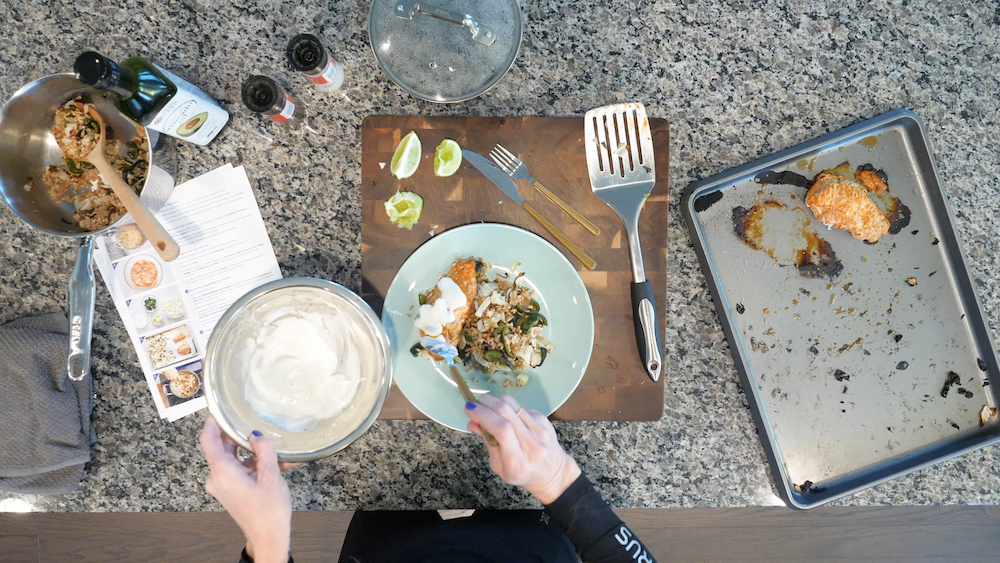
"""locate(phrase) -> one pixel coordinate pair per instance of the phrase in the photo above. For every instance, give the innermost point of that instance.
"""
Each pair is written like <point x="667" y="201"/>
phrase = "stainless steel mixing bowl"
<point x="225" y="379"/>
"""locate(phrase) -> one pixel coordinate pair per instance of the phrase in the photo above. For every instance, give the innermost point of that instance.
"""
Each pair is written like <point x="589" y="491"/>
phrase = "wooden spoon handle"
<point x="147" y="223"/>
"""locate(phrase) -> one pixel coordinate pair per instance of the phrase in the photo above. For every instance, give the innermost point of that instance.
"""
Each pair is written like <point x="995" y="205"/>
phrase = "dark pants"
<point x="487" y="535"/>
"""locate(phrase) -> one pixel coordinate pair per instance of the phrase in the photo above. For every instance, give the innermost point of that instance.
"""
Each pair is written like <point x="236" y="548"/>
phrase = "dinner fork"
<point x="516" y="169"/>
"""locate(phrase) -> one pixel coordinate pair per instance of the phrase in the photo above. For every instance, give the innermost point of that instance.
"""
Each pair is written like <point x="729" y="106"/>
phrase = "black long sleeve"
<point x="595" y="530"/>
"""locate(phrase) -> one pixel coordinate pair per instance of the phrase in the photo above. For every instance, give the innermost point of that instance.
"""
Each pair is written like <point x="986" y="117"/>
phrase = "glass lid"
<point x="445" y="50"/>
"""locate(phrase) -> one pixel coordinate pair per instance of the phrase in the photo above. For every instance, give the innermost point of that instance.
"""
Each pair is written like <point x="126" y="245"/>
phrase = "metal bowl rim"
<point x="285" y="284"/>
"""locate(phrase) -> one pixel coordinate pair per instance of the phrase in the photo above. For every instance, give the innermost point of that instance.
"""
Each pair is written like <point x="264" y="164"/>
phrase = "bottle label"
<point x="190" y="115"/>
<point x="327" y="74"/>
<point x="286" y="111"/>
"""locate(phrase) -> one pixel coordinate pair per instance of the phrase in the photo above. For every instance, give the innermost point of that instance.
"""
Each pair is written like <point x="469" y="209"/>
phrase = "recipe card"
<point x="170" y="308"/>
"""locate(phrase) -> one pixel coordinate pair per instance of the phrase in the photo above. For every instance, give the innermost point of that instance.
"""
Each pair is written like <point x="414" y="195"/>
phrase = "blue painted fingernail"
<point x="257" y="434"/>
<point x="470" y="406"/>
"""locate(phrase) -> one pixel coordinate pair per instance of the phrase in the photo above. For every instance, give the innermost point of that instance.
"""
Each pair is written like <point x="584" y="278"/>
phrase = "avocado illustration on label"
<point x="192" y="124"/>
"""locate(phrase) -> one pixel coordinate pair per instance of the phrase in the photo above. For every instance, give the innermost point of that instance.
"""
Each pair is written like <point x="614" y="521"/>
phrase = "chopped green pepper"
<point x="479" y="267"/>
<point x="93" y="126"/>
<point x="534" y="306"/>
<point x="71" y="166"/>
<point x="532" y="320"/>
<point x="472" y="363"/>
<point x="507" y="361"/>
<point x="493" y="355"/>
<point x="544" y="352"/>
<point x="468" y="337"/>
<point x="133" y="149"/>
<point x="506" y="343"/>
<point x="86" y="165"/>
<point x="422" y="298"/>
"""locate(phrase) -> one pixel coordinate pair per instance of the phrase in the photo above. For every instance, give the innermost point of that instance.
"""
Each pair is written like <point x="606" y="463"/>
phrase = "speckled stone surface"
<point x="737" y="80"/>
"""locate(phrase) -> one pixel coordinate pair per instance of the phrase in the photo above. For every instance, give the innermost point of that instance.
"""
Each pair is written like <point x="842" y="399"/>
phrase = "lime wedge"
<point x="404" y="208"/>
<point x="407" y="156"/>
<point x="447" y="158"/>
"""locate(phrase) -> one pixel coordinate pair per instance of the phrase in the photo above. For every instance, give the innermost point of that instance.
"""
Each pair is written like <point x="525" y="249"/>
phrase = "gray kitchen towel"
<point x="45" y="428"/>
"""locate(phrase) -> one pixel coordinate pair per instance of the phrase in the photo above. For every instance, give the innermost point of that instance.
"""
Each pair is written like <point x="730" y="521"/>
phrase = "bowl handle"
<point x="81" y="311"/>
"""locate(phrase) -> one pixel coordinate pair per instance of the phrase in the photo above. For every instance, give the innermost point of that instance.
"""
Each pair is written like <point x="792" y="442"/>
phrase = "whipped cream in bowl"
<point x="304" y="361"/>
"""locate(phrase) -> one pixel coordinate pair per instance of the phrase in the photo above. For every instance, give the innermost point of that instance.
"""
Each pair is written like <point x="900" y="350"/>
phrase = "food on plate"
<point x="447" y="158"/>
<point x="144" y="273"/>
<point x="184" y="350"/>
<point x="843" y="203"/>
<point x="404" y="209"/>
<point x="180" y="336"/>
<point x="502" y="328"/>
<point x="79" y="182"/>
<point x="130" y="237"/>
<point x="445" y="308"/>
<point x="185" y="384"/>
<point x="406" y="158"/>
<point x="302" y="366"/>
<point x="157" y="320"/>
<point x="149" y="303"/>
<point x="173" y="307"/>
<point x="159" y="351"/>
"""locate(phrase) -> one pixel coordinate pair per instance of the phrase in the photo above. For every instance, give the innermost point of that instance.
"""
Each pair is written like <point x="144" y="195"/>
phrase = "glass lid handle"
<point x="481" y="33"/>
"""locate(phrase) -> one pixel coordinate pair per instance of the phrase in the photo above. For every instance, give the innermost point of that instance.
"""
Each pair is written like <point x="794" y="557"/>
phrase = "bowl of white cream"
<point x="304" y="361"/>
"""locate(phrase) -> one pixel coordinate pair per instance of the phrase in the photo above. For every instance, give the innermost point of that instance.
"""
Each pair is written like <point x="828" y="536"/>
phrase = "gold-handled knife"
<point x="502" y="181"/>
<point x="470" y="398"/>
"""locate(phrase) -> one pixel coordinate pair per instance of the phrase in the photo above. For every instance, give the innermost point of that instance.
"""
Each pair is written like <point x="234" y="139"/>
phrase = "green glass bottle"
<point x="154" y="97"/>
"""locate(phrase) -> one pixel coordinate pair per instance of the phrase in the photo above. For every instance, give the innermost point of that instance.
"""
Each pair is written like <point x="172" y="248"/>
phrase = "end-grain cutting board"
<point x="615" y="386"/>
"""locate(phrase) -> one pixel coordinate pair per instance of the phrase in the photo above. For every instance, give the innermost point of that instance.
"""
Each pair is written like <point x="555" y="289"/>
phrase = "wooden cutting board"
<point x="615" y="386"/>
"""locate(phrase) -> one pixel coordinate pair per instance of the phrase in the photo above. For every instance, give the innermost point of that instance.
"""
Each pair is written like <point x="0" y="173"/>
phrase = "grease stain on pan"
<point x="784" y="234"/>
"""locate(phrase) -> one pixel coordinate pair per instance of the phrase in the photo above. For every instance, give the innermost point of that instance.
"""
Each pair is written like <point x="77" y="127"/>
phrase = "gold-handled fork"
<point x="516" y="169"/>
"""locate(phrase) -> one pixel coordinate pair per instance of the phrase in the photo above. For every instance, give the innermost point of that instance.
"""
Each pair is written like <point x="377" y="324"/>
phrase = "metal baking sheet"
<point x="845" y="348"/>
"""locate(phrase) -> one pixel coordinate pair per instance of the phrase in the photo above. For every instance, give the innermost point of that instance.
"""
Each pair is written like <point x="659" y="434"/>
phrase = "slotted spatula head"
<point x="619" y="149"/>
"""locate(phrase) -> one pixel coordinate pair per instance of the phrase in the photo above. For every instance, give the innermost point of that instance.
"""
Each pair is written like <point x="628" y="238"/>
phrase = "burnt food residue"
<point x="951" y="380"/>
<point x="810" y="254"/>
<point x="703" y="202"/>
<point x="784" y="177"/>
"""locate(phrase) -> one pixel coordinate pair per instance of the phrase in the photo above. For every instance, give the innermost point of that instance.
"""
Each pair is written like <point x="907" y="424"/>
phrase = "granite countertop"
<point x="736" y="80"/>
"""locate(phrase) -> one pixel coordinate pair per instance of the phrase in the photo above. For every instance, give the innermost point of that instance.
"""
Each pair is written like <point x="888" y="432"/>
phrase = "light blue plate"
<point x="559" y="291"/>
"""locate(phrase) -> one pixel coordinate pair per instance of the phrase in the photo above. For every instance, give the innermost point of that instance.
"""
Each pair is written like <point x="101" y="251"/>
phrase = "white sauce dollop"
<point x="302" y="367"/>
<point x="432" y="318"/>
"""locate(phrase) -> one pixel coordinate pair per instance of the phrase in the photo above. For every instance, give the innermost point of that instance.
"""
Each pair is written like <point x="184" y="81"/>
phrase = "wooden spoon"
<point x="147" y="223"/>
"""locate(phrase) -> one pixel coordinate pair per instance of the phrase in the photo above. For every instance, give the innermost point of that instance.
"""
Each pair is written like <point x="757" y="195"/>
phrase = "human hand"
<point x="253" y="492"/>
<point x="528" y="453"/>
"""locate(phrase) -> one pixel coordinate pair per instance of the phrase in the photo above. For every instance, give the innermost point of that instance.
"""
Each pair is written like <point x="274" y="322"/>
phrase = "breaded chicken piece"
<point x="463" y="273"/>
<point x="871" y="180"/>
<point x="843" y="203"/>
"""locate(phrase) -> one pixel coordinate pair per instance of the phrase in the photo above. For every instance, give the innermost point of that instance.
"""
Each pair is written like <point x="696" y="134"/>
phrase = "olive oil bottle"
<point x="150" y="95"/>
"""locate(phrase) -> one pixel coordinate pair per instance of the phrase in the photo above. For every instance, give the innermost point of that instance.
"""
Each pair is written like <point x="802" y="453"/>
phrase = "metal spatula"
<point x="620" y="159"/>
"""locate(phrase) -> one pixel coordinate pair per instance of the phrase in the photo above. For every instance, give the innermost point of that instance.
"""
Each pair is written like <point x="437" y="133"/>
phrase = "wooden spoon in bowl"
<point x="147" y="223"/>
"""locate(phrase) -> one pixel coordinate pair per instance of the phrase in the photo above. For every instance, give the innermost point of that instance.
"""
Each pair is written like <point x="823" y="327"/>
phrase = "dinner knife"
<point x="501" y="180"/>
